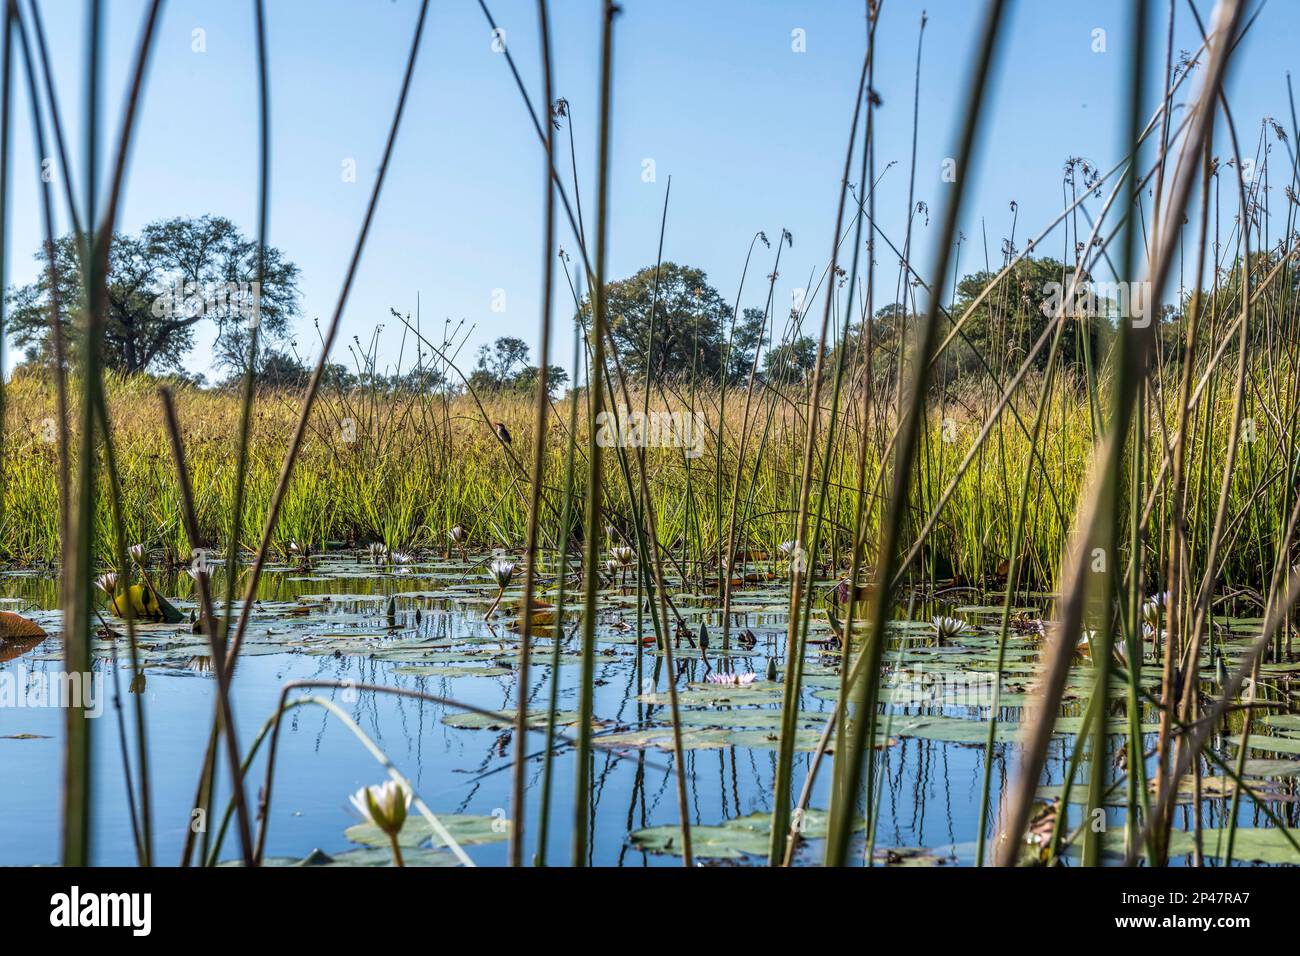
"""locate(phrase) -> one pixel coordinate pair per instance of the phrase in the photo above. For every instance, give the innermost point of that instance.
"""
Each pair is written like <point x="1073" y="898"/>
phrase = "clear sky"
<point x="751" y="130"/>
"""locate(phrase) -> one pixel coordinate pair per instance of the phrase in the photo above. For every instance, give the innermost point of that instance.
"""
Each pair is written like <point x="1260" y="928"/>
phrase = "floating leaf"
<point x="465" y="829"/>
<point x="506" y="719"/>
<point x="13" y="627"/>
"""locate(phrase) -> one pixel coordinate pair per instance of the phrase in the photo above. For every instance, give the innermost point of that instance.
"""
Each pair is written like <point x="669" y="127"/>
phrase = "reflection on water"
<point x="333" y="622"/>
<point x="18" y="646"/>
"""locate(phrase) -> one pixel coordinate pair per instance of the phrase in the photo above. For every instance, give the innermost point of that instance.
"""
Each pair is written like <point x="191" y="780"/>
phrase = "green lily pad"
<point x="471" y="721"/>
<point x="452" y="671"/>
<point x="743" y="836"/>
<point x="464" y="829"/>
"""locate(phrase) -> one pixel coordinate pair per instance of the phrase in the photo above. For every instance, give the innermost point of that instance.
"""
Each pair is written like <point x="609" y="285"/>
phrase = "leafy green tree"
<point x="750" y="334"/>
<point x="690" y="321"/>
<point x="503" y="366"/>
<point x="1010" y="319"/>
<point x="792" y="361"/>
<point x="176" y="274"/>
<point x="281" y="370"/>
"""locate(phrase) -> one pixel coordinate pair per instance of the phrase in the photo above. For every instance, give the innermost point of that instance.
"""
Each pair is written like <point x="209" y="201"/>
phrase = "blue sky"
<point x="752" y="132"/>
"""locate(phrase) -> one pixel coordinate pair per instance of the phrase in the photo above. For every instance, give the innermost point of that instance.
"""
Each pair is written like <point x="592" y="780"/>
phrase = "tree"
<point x="690" y="320"/>
<point x="750" y="334"/>
<point x="162" y="283"/>
<point x="793" y="361"/>
<point x="281" y="370"/>
<point x="503" y="366"/>
<point x="1005" y="326"/>
<point x="498" y="362"/>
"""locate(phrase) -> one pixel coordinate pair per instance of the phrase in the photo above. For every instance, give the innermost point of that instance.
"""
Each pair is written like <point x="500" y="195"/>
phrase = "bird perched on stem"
<point x="503" y="433"/>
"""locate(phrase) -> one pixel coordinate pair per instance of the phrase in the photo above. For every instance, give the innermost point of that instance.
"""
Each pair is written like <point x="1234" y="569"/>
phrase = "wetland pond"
<point x="332" y="622"/>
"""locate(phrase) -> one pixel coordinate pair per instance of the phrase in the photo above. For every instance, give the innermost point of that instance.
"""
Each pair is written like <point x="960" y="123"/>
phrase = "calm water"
<point x="330" y="623"/>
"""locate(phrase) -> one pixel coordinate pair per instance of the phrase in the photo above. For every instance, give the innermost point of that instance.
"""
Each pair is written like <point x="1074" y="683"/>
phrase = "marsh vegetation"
<point x="928" y="569"/>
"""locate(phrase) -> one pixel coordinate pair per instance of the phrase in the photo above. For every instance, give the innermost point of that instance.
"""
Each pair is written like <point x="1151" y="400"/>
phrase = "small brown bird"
<point x="502" y="432"/>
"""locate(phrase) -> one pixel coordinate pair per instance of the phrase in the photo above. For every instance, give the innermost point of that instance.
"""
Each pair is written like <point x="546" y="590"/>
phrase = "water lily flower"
<point x="137" y="553"/>
<point x="737" y="680"/>
<point x="378" y="553"/>
<point x="458" y="537"/>
<point x="1153" y="606"/>
<point x="624" y="556"/>
<point x="107" y="583"/>
<point x="502" y="572"/>
<point x="947" y="627"/>
<point x="385" y="807"/>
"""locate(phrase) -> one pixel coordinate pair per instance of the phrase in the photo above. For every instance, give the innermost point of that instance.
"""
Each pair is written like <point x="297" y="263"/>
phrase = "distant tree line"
<point x="669" y="323"/>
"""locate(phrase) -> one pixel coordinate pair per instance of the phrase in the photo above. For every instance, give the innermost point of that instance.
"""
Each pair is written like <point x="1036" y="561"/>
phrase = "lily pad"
<point x="472" y="721"/>
<point x="742" y="836"/>
<point x="464" y="829"/>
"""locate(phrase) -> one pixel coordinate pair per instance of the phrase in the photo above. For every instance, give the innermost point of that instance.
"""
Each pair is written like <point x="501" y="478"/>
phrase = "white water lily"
<point x="137" y="553"/>
<point x="107" y="583"/>
<point x="458" y="537"/>
<point x="787" y="547"/>
<point x="947" y="627"/>
<point x="623" y="556"/>
<point x="738" y="680"/>
<point x="385" y="806"/>
<point x="378" y="553"/>
<point x="1153" y="607"/>
<point x="502" y="572"/>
